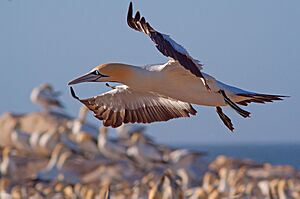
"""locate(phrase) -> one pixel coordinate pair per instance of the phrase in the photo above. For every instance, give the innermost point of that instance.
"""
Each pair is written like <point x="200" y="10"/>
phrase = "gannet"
<point x="183" y="163"/>
<point x="45" y="96"/>
<point x="163" y="91"/>
<point x="55" y="167"/>
<point x="8" y="166"/>
<point x="166" y="188"/>
<point x="109" y="148"/>
<point x="20" y="140"/>
<point x="80" y="125"/>
<point x="142" y="152"/>
<point x="124" y="131"/>
<point x="48" y="140"/>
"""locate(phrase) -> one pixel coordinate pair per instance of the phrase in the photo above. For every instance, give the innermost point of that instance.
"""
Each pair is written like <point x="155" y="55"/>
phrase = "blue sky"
<point x="254" y="45"/>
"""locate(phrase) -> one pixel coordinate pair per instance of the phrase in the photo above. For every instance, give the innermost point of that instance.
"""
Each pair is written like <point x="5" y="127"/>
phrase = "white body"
<point x="177" y="83"/>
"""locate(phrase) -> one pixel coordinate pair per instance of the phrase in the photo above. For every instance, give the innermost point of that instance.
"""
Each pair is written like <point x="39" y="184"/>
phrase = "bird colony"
<point x="50" y="154"/>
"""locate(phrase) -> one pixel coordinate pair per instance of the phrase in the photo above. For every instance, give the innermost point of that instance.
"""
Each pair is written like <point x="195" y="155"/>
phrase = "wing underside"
<point x="123" y="105"/>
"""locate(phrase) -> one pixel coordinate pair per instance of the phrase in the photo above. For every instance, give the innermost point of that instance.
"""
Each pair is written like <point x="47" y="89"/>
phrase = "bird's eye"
<point x="96" y="72"/>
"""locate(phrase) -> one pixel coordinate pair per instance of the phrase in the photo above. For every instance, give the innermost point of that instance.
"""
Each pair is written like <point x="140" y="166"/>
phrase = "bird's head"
<point x="6" y="152"/>
<point x="135" y="137"/>
<point x="46" y="86"/>
<point x="111" y="72"/>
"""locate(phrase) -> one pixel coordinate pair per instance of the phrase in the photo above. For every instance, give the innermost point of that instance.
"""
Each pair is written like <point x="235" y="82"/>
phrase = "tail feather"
<point x="232" y="104"/>
<point x="258" y="98"/>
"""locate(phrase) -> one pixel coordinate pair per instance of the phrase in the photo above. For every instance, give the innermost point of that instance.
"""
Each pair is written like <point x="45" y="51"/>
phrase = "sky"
<point x="254" y="45"/>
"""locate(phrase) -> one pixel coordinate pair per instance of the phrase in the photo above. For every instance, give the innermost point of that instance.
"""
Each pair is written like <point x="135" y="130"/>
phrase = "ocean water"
<point x="277" y="154"/>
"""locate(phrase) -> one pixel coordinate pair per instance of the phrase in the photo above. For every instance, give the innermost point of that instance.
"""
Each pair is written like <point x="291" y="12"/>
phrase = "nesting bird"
<point x="7" y="166"/>
<point x="125" y="130"/>
<point x="163" y="91"/>
<point x="144" y="153"/>
<point x="109" y="148"/>
<point x="166" y="188"/>
<point x="79" y="125"/>
<point x="54" y="170"/>
<point x="46" y="96"/>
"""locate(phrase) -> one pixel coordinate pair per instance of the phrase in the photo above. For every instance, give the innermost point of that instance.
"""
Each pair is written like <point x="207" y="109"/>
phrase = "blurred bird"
<point x="142" y="152"/>
<point x="196" y="193"/>
<point x="48" y="140"/>
<point x="34" y="141"/>
<point x="183" y="163"/>
<point x="224" y="186"/>
<point x="184" y="157"/>
<point x="86" y="143"/>
<point x="20" y="140"/>
<point x="79" y="124"/>
<point x="54" y="170"/>
<point x="264" y="187"/>
<point x="125" y="130"/>
<point x="105" y="191"/>
<point x="166" y="188"/>
<point x="108" y="148"/>
<point x="45" y="96"/>
<point x="162" y="92"/>
<point x="5" y="188"/>
<point x="8" y="166"/>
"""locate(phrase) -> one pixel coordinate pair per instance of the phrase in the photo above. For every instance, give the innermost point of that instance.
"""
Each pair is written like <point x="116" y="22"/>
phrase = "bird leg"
<point x="225" y="119"/>
<point x="233" y="105"/>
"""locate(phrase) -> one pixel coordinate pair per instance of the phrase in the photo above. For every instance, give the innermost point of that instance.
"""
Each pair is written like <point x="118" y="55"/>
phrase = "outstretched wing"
<point x="165" y="44"/>
<point x="124" y="105"/>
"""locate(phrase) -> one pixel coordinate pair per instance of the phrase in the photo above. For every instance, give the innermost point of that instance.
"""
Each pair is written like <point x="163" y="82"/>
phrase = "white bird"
<point x="34" y="141"/>
<point x="166" y="188"/>
<point x="144" y="153"/>
<point x="183" y="163"/>
<point x="5" y="188"/>
<point x="45" y="96"/>
<point x="8" y="166"/>
<point x="48" y="140"/>
<point x="110" y="149"/>
<point x="184" y="157"/>
<point x="162" y="92"/>
<point x="79" y="125"/>
<point x="124" y="131"/>
<point x="54" y="170"/>
<point x="20" y="140"/>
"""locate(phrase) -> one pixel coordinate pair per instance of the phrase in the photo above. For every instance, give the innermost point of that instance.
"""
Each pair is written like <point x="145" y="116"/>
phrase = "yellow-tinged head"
<point x="111" y="72"/>
<point x="135" y="137"/>
<point x="6" y="152"/>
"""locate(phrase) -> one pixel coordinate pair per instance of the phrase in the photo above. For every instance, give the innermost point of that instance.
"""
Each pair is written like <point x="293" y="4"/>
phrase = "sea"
<point x="277" y="154"/>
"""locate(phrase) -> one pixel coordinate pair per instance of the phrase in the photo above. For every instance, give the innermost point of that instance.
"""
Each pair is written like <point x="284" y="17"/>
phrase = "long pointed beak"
<point x="85" y="78"/>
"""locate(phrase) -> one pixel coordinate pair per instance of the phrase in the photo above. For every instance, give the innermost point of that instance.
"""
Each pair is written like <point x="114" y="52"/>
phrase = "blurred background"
<point x="254" y="45"/>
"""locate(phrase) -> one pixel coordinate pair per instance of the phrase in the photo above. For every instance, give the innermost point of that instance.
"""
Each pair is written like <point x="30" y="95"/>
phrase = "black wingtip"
<point x="130" y="9"/>
<point x="129" y="14"/>
<point x="73" y="93"/>
<point x="225" y="119"/>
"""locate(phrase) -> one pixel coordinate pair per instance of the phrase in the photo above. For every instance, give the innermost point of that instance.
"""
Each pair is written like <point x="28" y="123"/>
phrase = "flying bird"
<point x="162" y="92"/>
